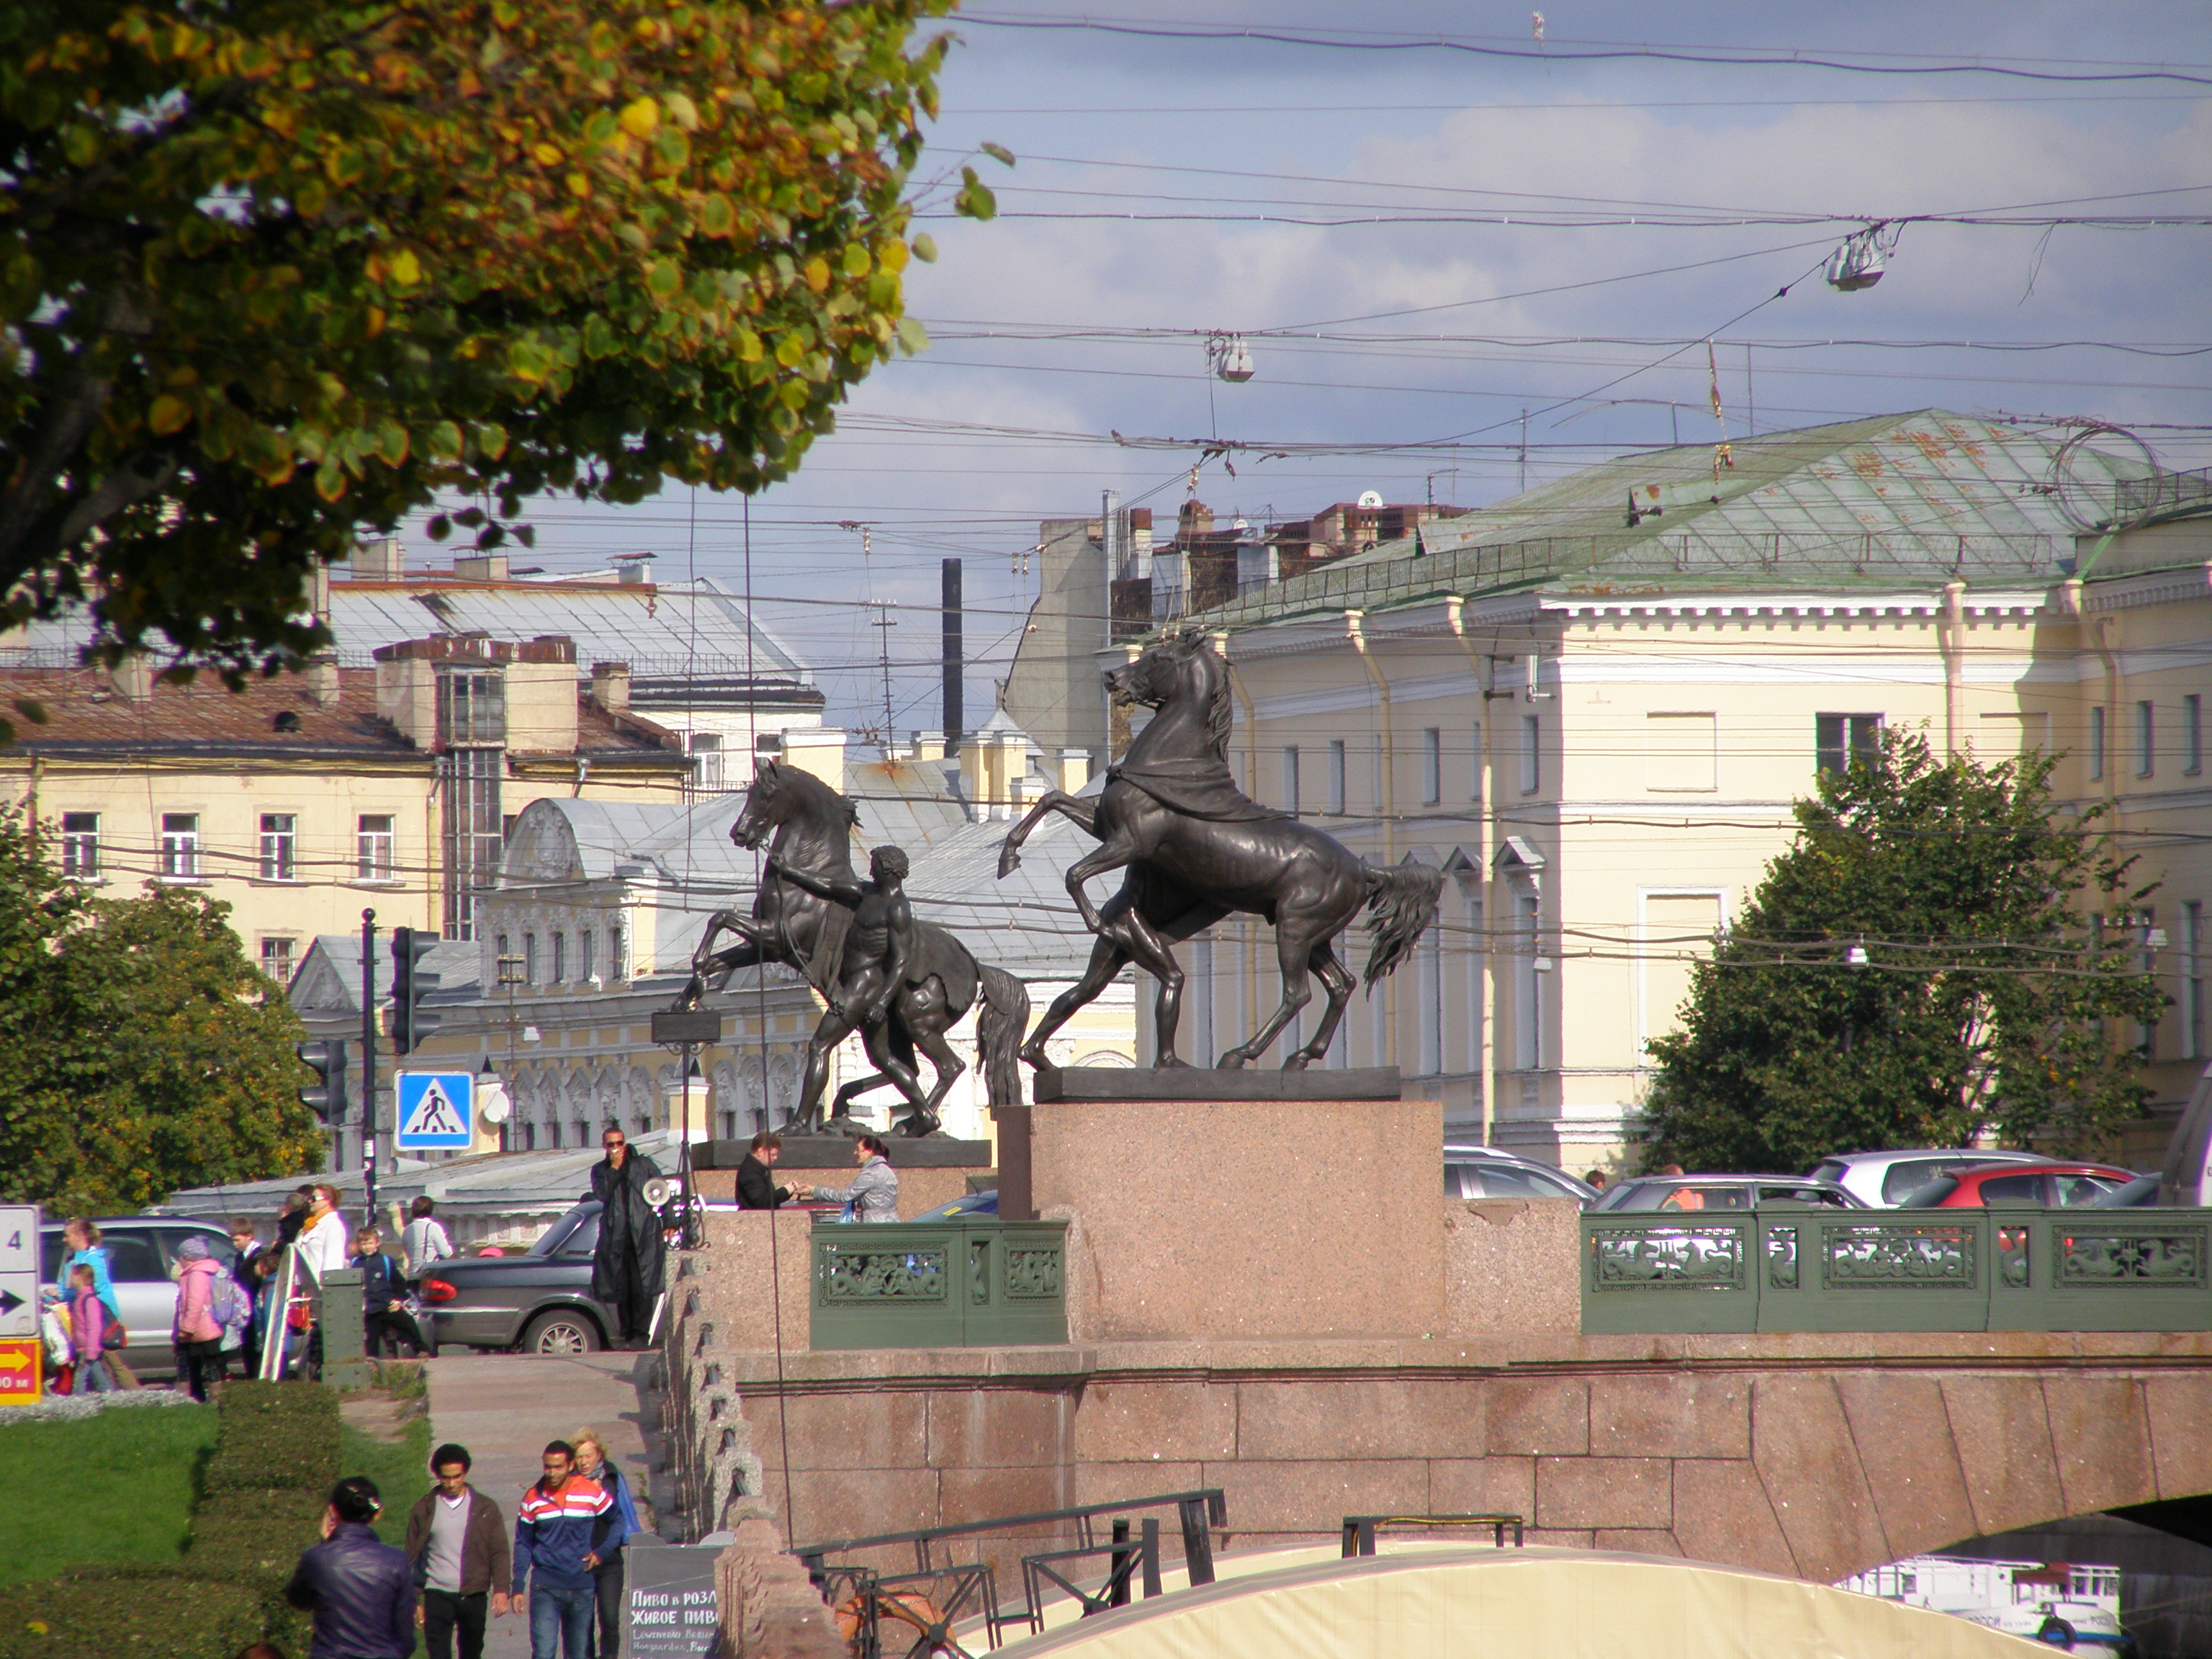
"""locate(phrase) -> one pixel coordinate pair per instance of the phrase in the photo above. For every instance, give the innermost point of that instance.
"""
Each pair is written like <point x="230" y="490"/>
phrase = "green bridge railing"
<point x="978" y="1282"/>
<point x="1802" y="1267"/>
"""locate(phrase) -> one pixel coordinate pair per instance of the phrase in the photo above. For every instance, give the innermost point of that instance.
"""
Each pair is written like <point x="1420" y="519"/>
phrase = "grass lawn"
<point x="400" y="1469"/>
<point x="116" y="1487"/>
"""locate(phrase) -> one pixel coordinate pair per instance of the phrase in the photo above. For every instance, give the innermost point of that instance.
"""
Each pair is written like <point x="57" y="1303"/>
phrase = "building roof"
<point x="277" y="719"/>
<point x="663" y="631"/>
<point x="328" y="979"/>
<point x="1894" y="498"/>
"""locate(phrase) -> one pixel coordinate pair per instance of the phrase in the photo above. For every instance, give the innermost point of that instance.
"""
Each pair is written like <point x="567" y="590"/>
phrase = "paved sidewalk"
<point x="504" y="1407"/>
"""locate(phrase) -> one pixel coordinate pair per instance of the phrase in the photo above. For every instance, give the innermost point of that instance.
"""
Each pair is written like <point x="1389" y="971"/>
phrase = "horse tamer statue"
<point x="1197" y="849"/>
<point x="811" y="910"/>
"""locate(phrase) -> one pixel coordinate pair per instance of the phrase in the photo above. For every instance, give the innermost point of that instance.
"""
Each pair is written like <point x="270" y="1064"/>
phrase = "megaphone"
<point x="659" y="1191"/>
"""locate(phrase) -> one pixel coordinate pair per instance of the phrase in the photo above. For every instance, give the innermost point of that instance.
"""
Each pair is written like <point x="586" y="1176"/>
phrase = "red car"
<point x="2057" y="1185"/>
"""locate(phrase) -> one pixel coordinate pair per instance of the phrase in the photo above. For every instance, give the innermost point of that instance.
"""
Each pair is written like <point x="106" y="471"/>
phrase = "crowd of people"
<point x="224" y="1313"/>
<point x="562" y="1567"/>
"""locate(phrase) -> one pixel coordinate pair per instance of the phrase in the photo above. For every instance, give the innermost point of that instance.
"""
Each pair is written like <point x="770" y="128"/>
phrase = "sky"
<point x="1420" y="243"/>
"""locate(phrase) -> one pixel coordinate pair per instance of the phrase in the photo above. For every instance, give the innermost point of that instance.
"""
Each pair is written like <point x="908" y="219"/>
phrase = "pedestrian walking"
<point x="322" y="1241"/>
<point x="385" y="1332"/>
<point x="627" y="1264"/>
<point x="247" y="1266"/>
<point x="424" y="1240"/>
<point x="360" y="1588"/>
<point x="873" y="1195"/>
<point x="757" y="1188"/>
<point x="457" y="1542"/>
<point x="81" y="1238"/>
<point x="90" y="1327"/>
<point x="196" y="1331"/>
<point x="593" y="1464"/>
<point x="560" y="1526"/>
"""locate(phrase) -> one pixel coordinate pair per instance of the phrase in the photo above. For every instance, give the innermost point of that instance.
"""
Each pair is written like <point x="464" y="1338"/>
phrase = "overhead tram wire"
<point x="1575" y="106"/>
<point x="1556" y="51"/>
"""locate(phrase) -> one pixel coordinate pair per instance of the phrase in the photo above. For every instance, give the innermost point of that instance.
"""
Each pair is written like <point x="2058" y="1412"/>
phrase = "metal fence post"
<point x="1197" y="1542"/>
<point x="1152" y="1562"/>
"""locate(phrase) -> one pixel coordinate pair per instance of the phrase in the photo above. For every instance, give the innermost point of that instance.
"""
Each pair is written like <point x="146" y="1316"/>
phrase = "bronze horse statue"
<point x="806" y="825"/>
<point x="1197" y="848"/>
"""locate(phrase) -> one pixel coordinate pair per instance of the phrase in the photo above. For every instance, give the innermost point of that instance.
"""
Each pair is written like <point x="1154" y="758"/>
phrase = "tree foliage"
<point x="275" y="273"/>
<point x="140" y="1051"/>
<point x="1993" y="996"/>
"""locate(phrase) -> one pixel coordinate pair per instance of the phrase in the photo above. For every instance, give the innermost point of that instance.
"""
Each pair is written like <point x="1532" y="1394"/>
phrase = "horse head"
<point x="1182" y="675"/>
<point x="761" y="814"/>
<point x="787" y="802"/>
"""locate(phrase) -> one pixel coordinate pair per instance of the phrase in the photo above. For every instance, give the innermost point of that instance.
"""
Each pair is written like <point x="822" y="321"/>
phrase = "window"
<point x="1527" y="1011"/>
<point x="1432" y="766"/>
<point x="2020" y="1188"/>
<point x="2146" y="745"/>
<point x="2097" y="741"/>
<point x="530" y="964"/>
<point x="1839" y="739"/>
<point x="1680" y="753"/>
<point x="2192" y="980"/>
<point x="181" y="845"/>
<point x="705" y="750"/>
<point x="472" y="832"/>
<point x="559" y="959"/>
<point x="374" y="853"/>
<point x="1429" y="1015"/>
<point x="618" y="950"/>
<point x="584" y="953"/>
<point x="81" y="845"/>
<point x="472" y="708"/>
<point x="2192" y="735"/>
<point x="1336" y="776"/>
<point x="1532" y="762"/>
<point x="1291" y="776"/>
<point x="279" y="846"/>
<point x="277" y="957"/>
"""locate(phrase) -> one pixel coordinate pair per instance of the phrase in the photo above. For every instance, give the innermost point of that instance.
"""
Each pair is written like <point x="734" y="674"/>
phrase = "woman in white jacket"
<point x="323" y="1244"/>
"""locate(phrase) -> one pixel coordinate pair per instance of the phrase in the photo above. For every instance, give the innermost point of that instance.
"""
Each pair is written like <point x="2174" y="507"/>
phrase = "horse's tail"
<point x="1402" y="900"/>
<point x="1000" y="1024"/>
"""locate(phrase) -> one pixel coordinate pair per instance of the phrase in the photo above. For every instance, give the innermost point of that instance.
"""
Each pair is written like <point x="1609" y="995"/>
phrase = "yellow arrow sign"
<point x="16" y="1360"/>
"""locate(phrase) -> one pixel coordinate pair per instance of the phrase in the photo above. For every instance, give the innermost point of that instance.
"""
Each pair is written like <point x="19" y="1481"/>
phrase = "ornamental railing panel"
<point x="971" y="1283"/>
<point x="1800" y="1268"/>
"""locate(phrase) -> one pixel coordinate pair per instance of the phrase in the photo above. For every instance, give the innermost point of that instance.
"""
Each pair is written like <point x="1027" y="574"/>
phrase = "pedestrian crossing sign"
<point x="437" y="1110"/>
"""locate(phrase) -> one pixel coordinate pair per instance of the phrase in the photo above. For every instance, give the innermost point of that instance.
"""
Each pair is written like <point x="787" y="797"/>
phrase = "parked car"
<point x="1885" y="1179"/>
<point x="1478" y="1171"/>
<point x="540" y="1301"/>
<point x="1693" y="1192"/>
<point x="2058" y="1185"/>
<point x="142" y="1265"/>
<point x="984" y="1204"/>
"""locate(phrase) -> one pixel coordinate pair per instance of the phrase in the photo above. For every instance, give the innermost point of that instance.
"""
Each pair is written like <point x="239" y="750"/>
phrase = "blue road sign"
<point x="437" y="1109"/>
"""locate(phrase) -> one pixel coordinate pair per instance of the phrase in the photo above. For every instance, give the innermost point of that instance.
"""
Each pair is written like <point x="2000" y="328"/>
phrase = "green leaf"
<point x="913" y="337"/>
<point x="925" y="248"/>
<point x="663" y="279"/>
<point x="999" y="152"/>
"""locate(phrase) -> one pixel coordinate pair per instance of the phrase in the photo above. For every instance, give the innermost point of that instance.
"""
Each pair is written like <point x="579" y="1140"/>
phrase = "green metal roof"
<point x="1890" y="501"/>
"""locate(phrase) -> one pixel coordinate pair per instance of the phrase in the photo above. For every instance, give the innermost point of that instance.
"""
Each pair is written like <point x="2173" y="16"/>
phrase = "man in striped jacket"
<point x="563" y="1524"/>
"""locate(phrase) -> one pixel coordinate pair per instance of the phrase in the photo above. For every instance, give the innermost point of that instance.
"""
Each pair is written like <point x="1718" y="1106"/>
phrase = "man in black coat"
<point x="626" y="1266"/>
<point x="756" y="1189"/>
<point x="360" y="1588"/>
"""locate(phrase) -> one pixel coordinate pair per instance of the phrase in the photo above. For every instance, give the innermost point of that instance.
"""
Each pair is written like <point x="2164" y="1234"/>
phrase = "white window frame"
<point x="180" y="846"/>
<point x="80" y="846"/>
<point x="1432" y="766"/>
<point x="376" y="851"/>
<point x="280" y="846"/>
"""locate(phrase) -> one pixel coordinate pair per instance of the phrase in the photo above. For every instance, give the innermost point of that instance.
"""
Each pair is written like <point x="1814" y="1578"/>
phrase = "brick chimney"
<point x="610" y="686"/>
<point x="323" y="681"/>
<point x="379" y="561"/>
<point x="134" y="677"/>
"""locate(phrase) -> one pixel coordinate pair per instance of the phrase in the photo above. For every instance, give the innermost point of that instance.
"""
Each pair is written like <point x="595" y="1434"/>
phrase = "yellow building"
<point x="1593" y="705"/>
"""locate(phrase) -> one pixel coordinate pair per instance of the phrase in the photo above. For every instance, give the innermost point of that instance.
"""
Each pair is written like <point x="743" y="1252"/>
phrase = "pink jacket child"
<point x="196" y="1320"/>
<point x="89" y="1321"/>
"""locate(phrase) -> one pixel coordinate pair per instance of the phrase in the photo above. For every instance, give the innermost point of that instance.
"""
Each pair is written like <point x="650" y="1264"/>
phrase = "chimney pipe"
<point x="323" y="682"/>
<point x="956" y="665"/>
<point x="610" y="686"/>
<point x="134" y="677"/>
<point x="379" y="561"/>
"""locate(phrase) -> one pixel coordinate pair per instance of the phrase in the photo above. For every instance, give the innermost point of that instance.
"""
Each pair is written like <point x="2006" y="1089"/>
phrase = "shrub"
<point x="275" y="1435"/>
<point x="114" y="1612"/>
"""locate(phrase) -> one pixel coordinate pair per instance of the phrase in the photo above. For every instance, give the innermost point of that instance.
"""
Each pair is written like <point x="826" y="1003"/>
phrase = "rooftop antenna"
<point x="886" y="622"/>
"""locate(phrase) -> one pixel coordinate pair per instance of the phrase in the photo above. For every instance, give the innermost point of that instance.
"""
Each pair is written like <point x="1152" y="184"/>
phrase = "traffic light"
<point x="410" y="987"/>
<point x="326" y="1097"/>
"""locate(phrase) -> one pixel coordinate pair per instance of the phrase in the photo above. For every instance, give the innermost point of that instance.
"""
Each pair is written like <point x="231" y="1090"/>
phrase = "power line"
<point x="1567" y="52"/>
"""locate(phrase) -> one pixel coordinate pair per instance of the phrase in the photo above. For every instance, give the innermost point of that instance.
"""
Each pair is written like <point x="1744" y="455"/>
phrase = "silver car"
<point x="1473" y="1171"/>
<point x="1885" y="1180"/>
<point x="141" y="1266"/>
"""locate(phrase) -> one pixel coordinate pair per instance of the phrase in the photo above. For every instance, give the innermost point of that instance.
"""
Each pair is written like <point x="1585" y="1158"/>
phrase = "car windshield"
<point x="1932" y="1196"/>
<point x="555" y="1238"/>
<point x="1829" y="1169"/>
<point x="2079" y="1191"/>
<point x="2143" y="1189"/>
<point x="1901" y="1180"/>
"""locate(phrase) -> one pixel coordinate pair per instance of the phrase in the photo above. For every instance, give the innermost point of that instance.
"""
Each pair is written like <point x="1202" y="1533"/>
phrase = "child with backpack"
<point x="93" y="1332"/>
<point x="198" y="1333"/>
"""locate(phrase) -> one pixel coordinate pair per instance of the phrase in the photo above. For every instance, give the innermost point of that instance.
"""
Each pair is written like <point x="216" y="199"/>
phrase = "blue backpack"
<point x="230" y="1306"/>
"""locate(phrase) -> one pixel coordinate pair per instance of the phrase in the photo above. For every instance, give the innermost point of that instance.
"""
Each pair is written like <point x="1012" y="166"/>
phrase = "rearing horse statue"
<point x="1197" y="848"/>
<point x="807" y="827"/>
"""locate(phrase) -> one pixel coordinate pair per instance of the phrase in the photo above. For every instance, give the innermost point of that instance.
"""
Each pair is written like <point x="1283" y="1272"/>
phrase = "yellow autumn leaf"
<point x="546" y="154"/>
<point x="640" y="118"/>
<point x="816" y="272"/>
<point x="405" y="270"/>
<point x="169" y="415"/>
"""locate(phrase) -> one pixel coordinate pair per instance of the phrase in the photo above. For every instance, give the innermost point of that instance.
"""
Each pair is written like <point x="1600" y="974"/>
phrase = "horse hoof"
<point x="1008" y="863"/>
<point x="1232" y="1061"/>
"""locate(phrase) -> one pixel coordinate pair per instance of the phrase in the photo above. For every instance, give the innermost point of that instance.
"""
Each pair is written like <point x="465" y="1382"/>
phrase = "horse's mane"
<point x="1219" y="715"/>
<point x="817" y="794"/>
